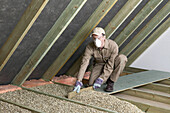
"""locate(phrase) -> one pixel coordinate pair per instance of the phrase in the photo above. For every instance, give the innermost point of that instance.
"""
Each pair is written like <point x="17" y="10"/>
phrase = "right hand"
<point x="77" y="86"/>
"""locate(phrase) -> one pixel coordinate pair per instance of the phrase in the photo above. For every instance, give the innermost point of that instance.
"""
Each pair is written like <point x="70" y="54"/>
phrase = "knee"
<point x="122" y="58"/>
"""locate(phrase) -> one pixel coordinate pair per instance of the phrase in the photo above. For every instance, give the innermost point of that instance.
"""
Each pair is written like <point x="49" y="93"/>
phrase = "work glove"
<point x="77" y="86"/>
<point x="98" y="83"/>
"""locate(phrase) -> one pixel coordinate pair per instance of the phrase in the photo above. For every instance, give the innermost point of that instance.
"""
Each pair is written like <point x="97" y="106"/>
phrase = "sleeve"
<point x="85" y="62"/>
<point x="108" y="68"/>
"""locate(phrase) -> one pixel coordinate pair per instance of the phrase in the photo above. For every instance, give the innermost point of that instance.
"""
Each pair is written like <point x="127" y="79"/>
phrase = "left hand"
<point x="77" y="87"/>
<point x="98" y="83"/>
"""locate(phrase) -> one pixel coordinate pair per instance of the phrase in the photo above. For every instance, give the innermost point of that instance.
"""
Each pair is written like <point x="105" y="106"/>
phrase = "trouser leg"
<point x="96" y="72"/>
<point x="119" y="65"/>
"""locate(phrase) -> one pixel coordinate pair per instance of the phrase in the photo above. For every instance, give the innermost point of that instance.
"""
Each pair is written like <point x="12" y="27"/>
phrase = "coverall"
<point x="107" y="62"/>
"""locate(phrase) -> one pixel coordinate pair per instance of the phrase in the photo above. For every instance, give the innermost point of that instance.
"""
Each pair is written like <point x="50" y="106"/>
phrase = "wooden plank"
<point x="22" y="106"/>
<point x="166" y="82"/>
<point x="145" y="107"/>
<point x="74" y="93"/>
<point x="121" y="16"/>
<point x="134" y="70"/>
<point x="147" y="95"/>
<point x="135" y="80"/>
<point x="149" y="41"/>
<point x="70" y="100"/>
<point x="137" y="21"/>
<point x="58" y="28"/>
<point x="79" y="38"/>
<point x="158" y="87"/>
<point x="112" y="26"/>
<point x="25" y="23"/>
<point x="75" y="67"/>
<point x="151" y="25"/>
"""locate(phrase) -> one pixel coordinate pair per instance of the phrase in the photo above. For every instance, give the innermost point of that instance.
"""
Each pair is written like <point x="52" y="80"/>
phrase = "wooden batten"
<point x="146" y="107"/>
<point x="158" y="87"/>
<point x="112" y="26"/>
<point x="28" y="18"/>
<point x="79" y="38"/>
<point x="137" y="21"/>
<point x="166" y="82"/>
<point x="162" y="28"/>
<point x="147" y="95"/>
<point x="121" y="16"/>
<point x="134" y="70"/>
<point x="151" y="25"/>
<point x="69" y="13"/>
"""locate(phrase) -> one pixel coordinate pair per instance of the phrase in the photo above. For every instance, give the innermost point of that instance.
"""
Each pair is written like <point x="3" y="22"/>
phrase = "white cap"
<point x="98" y="31"/>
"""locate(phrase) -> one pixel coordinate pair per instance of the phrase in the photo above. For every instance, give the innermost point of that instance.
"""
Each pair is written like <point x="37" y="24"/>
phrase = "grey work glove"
<point x="98" y="83"/>
<point x="77" y="86"/>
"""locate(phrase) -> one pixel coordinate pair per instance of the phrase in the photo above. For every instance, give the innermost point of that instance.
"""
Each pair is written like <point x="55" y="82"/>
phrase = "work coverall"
<point x="107" y="62"/>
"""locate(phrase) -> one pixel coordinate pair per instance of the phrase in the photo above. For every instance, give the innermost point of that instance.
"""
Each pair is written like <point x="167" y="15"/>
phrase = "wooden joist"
<point x="166" y="82"/>
<point x="79" y="38"/>
<point x="146" y="107"/>
<point x="158" y="87"/>
<point x="147" y="95"/>
<point x="60" y="25"/>
<point x="134" y="70"/>
<point x="162" y="28"/>
<point x="28" y="18"/>
<point x="112" y="26"/>
<point x="151" y="25"/>
<point x="137" y="21"/>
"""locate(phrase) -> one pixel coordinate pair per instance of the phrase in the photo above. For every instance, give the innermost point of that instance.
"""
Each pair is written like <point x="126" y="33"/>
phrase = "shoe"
<point x="109" y="87"/>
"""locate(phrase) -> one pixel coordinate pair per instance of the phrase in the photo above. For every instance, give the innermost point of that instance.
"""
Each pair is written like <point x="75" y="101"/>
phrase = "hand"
<point x="98" y="83"/>
<point x="78" y="86"/>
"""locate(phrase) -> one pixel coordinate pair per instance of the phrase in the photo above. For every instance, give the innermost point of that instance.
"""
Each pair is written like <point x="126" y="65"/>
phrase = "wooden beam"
<point x="79" y="38"/>
<point x="147" y="95"/>
<point x="158" y="87"/>
<point x="58" y="28"/>
<point x="134" y="70"/>
<point x="112" y="26"/>
<point x="151" y="25"/>
<point x="166" y="82"/>
<point x="28" y="18"/>
<point x="137" y="21"/>
<point x="149" y="41"/>
<point x="22" y="106"/>
<point x="74" y="93"/>
<point x="121" y="16"/>
<point x="146" y="107"/>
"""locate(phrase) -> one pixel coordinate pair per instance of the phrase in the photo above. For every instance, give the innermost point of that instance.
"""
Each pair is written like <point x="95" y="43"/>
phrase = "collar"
<point x="106" y="44"/>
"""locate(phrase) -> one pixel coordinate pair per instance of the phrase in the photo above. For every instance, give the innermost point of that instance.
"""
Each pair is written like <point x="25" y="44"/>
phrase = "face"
<point x="101" y="38"/>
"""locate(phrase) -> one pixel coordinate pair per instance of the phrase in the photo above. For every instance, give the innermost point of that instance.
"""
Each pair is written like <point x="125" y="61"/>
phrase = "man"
<point x="107" y="63"/>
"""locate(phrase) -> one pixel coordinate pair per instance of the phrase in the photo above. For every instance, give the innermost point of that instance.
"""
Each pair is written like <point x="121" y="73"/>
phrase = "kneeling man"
<point x="108" y="65"/>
